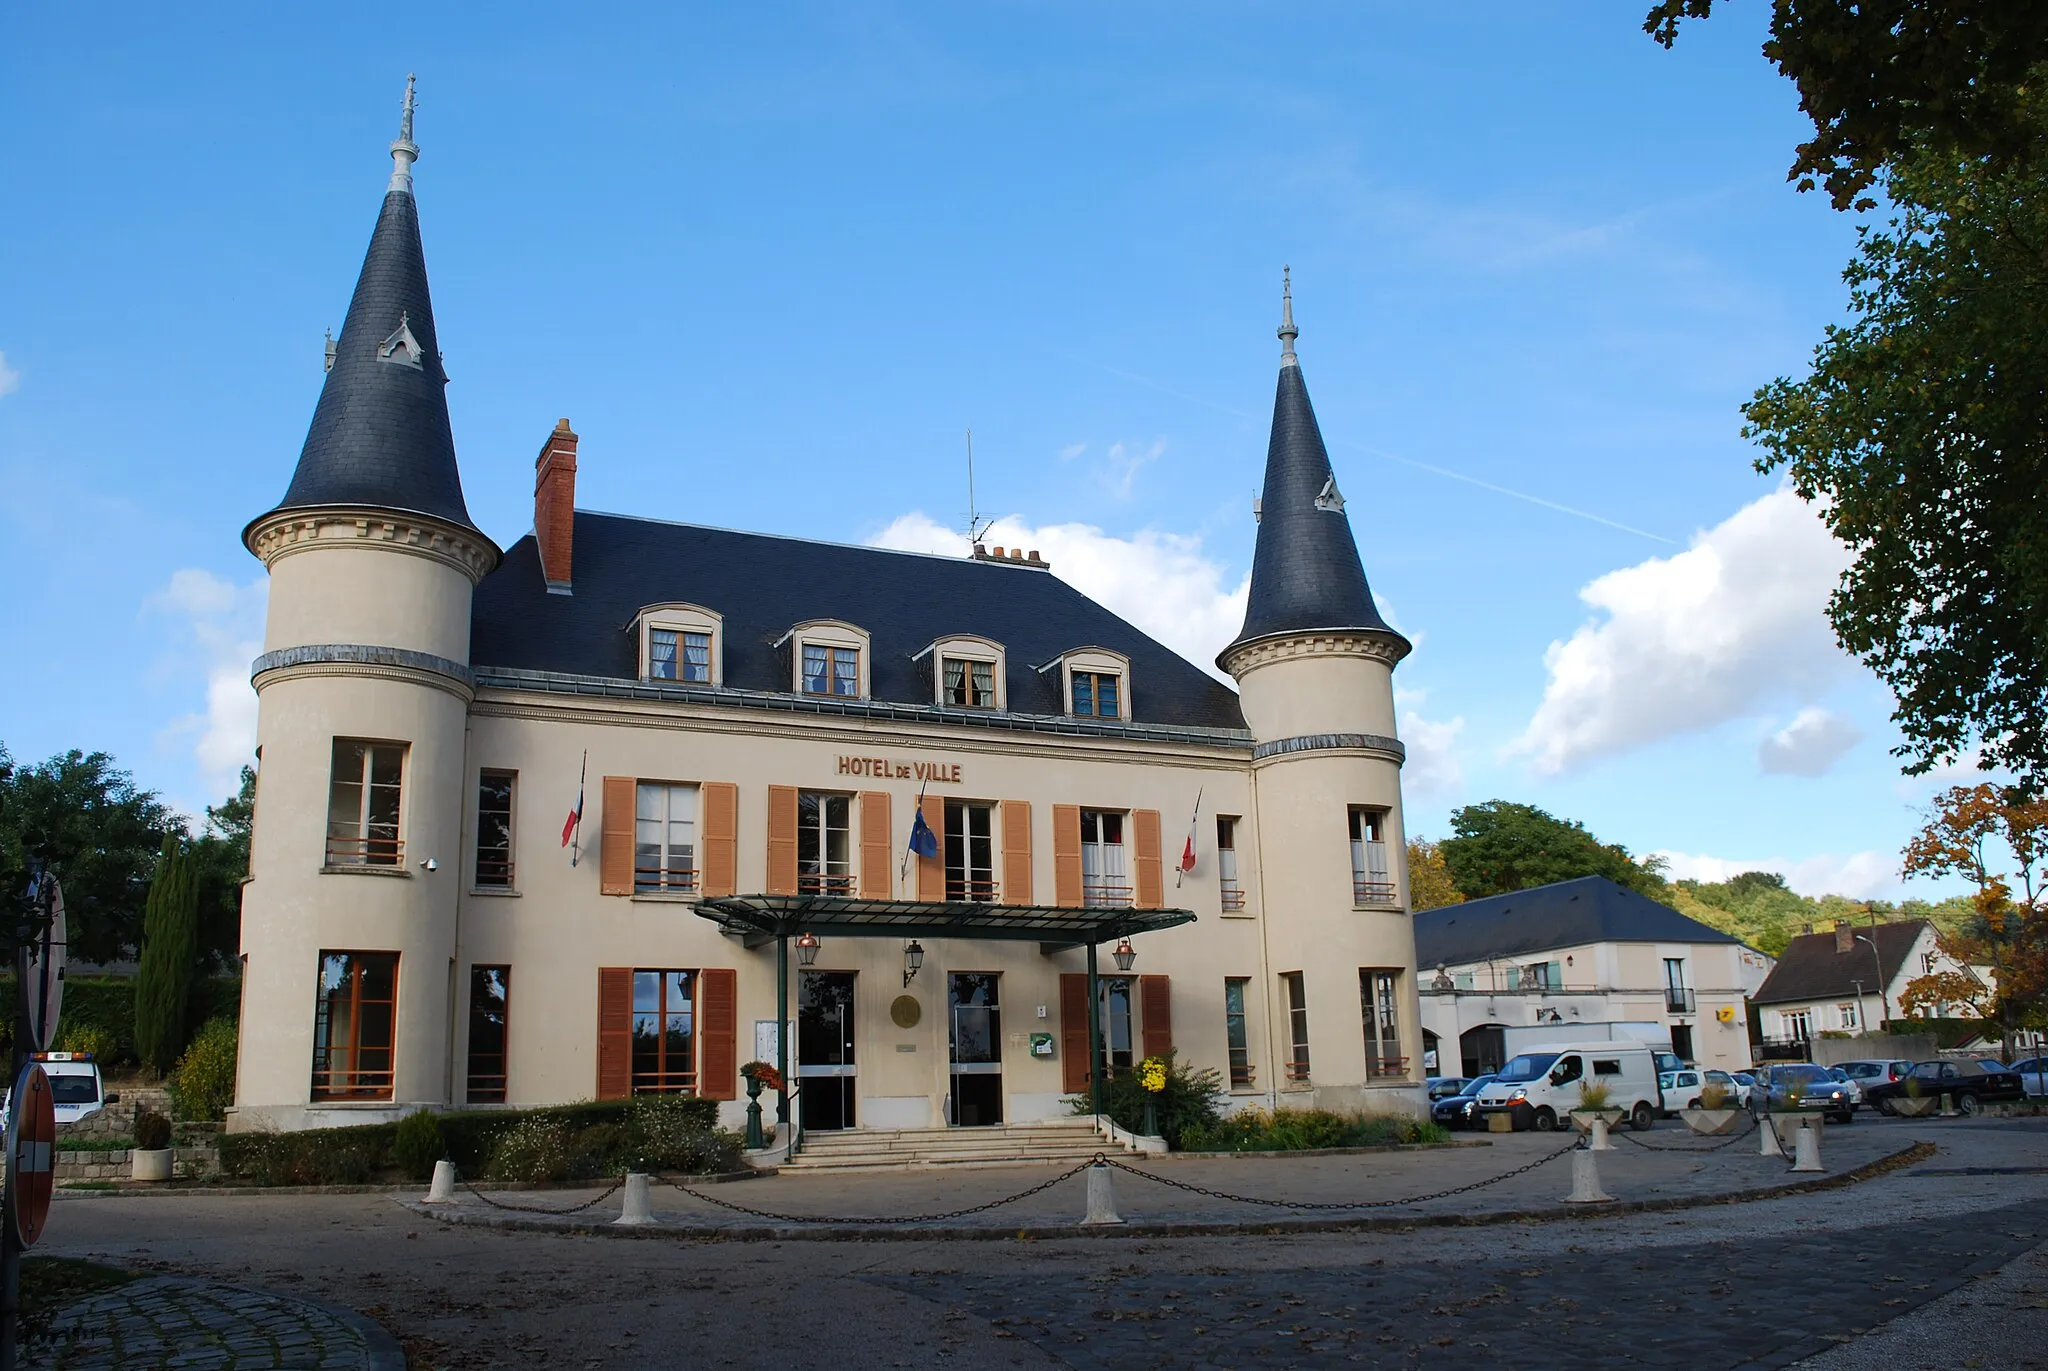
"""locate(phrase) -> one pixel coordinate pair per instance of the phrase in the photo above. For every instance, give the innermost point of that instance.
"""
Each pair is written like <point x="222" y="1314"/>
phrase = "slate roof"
<point x="1811" y="969"/>
<point x="1305" y="569"/>
<point x="380" y="435"/>
<point x="765" y="585"/>
<point x="1591" y="909"/>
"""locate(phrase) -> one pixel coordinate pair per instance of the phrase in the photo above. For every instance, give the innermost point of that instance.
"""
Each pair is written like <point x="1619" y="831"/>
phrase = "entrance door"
<point x="1116" y="1027"/>
<point x="824" y="1048"/>
<point x="975" y="1038"/>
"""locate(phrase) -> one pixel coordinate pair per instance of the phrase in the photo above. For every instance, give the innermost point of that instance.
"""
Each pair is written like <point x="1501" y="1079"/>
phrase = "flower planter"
<point x="151" y="1165"/>
<point x="1582" y="1119"/>
<point x="1915" y="1106"/>
<point x="1711" y="1123"/>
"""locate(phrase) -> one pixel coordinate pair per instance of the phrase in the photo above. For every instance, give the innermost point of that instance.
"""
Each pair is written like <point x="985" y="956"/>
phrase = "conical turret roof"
<point x="1306" y="574"/>
<point x="380" y="436"/>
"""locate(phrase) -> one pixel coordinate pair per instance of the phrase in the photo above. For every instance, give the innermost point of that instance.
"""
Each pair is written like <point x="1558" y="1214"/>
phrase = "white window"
<point x="967" y="672"/>
<point x="1098" y="694"/>
<point x="1848" y="1015"/>
<point x="1105" y="882"/>
<point x="824" y="844"/>
<point x="494" y="791"/>
<point x="829" y="670"/>
<point x="681" y="643"/>
<point x="968" y="683"/>
<point x="1798" y="1025"/>
<point x="828" y="658"/>
<point x="365" y="802"/>
<point x="970" y="851"/>
<point x="665" y="839"/>
<point x="1226" y="863"/>
<point x="1097" y="682"/>
<point x="1379" y="1001"/>
<point x="1371" y="882"/>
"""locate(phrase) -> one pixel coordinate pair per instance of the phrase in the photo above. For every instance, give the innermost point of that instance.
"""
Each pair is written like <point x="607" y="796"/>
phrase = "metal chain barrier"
<point x="1467" y="1188"/>
<point x="537" y="1208"/>
<point x="1734" y="1137"/>
<point x="854" y="1221"/>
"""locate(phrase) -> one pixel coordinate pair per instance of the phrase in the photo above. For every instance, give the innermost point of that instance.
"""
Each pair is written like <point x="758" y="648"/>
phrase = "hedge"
<point x="108" y="1004"/>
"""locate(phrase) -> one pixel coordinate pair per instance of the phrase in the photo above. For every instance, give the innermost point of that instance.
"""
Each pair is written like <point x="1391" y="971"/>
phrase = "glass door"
<point x="975" y="1040"/>
<point x="824" y="1048"/>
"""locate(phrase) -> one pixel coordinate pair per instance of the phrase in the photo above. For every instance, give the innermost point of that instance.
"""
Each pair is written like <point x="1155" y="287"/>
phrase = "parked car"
<point x="1745" y="1082"/>
<point x="1733" y="1083"/>
<point x="1843" y="1078"/>
<point x="2033" y="1074"/>
<point x="1443" y="1087"/>
<point x="1458" y="1110"/>
<point x="75" y="1087"/>
<point x="1681" y="1090"/>
<point x="1804" y="1087"/>
<point x="1875" y="1071"/>
<point x="1970" y="1085"/>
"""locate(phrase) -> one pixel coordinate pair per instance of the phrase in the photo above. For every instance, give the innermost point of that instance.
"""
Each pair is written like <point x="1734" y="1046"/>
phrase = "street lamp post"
<point x="1878" y="962"/>
<point x="1863" y="1019"/>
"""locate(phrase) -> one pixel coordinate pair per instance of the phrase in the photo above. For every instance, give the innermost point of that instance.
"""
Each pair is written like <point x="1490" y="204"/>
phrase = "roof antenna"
<point x="976" y="524"/>
<point x="404" y="152"/>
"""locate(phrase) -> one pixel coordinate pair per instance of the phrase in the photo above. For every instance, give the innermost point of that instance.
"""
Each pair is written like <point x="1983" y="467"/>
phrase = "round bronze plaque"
<point x="904" y="1011"/>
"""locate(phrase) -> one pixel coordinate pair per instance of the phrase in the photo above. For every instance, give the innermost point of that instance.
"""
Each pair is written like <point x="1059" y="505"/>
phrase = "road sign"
<point x="31" y="1152"/>
<point x="43" y="977"/>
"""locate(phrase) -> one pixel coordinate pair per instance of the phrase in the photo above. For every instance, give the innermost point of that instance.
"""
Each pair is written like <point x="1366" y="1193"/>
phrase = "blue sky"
<point x="773" y="261"/>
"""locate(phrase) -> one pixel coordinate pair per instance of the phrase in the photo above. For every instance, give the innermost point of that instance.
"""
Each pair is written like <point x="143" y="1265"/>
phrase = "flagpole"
<point x="576" y="841"/>
<point x="1180" y="868"/>
<point x="903" y="868"/>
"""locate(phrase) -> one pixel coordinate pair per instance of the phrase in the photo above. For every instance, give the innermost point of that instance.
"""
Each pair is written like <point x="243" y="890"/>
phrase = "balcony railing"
<point x="1377" y="1068"/>
<point x="1233" y="894"/>
<point x="962" y="890"/>
<point x="367" y="1078"/>
<point x="815" y="884"/>
<point x="493" y="873"/>
<point x="488" y="1087"/>
<point x="1243" y="1075"/>
<point x="379" y="850"/>
<point x="1297" y="1069"/>
<point x="664" y="880"/>
<point x="1105" y="895"/>
<point x="664" y="1082"/>
<point x="1373" y="890"/>
<point x="1678" y="999"/>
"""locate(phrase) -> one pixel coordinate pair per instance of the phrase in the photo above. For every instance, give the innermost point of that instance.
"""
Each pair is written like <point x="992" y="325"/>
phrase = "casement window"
<point x="664" y="1032"/>
<point x="1799" y="1025"/>
<point x="667" y="1031"/>
<point x="970" y="851"/>
<point x="1095" y="682"/>
<point x="1294" y="993"/>
<point x="678" y="655"/>
<point x="665" y="839"/>
<point x="1097" y="694"/>
<point x="1379" y="999"/>
<point x="1226" y="864"/>
<point x="831" y="670"/>
<point x="494" y="791"/>
<point x="827" y="657"/>
<point x="354" y="1021"/>
<point x="490" y="1002"/>
<point x="1847" y="1014"/>
<point x="1543" y="976"/>
<point x="968" y="683"/>
<point x="824" y="844"/>
<point x="365" y="804"/>
<point x="1235" y="1032"/>
<point x="1678" y="997"/>
<point x="1105" y="876"/>
<point x="1371" y="882"/>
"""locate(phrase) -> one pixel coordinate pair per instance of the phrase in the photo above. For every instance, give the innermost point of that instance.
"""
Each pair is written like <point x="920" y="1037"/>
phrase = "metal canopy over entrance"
<point x="761" y="919"/>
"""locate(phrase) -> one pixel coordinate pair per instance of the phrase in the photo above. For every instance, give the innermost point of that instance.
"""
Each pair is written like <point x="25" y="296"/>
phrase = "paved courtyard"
<point x="1764" y="1283"/>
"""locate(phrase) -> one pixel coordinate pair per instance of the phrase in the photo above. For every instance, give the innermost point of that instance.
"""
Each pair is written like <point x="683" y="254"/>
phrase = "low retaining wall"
<point x="115" y="1165"/>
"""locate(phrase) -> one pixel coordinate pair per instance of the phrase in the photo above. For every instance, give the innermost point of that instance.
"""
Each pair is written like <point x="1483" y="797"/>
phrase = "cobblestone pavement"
<point x="173" y="1321"/>
<point x="1759" y="1284"/>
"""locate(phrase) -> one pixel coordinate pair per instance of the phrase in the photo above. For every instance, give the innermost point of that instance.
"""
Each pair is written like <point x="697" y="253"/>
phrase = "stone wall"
<point x="114" y="1166"/>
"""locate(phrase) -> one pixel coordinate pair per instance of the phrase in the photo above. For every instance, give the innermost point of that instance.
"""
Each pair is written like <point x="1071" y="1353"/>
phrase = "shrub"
<point x="416" y="1144"/>
<point x="321" y="1156"/>
<point x="1714" y="1095"/>
<point x="170" y="955"/>
<point x="1192" y="1099"/>
<point x="679" y="1133"/>
<point x="91" y="1039"/>
<point x="202" y="1085"/>
<point x="152" y="1131"/>
<point x="1593" y="1095"/>
<point x="1300" y="1130"/>
<point x="536" y="1148"/>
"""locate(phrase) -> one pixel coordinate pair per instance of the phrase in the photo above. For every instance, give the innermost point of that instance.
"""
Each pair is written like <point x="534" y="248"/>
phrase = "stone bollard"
<point x="635" y="1210"/>
<point x="1598" y="1134"/>
<point x="1101" y="1198"/>
<point x="1806" y="1150"/>
<point x="1948" y="1106"/>
<point x="1767" y="1138"/>
<point x="442" y="1191"/>
<point x="1586" y="1180"/>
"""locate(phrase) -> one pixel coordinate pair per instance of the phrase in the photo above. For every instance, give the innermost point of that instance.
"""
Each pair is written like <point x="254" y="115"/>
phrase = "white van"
<point x="1541" y="1085"/>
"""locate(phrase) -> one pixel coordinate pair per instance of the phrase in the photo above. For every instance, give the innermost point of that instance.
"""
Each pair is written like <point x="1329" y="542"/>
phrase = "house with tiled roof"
<point x="1849" y="980"/>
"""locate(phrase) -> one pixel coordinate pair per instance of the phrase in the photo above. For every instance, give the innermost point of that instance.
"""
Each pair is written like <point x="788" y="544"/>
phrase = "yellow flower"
<point x="1152" y="1074"/>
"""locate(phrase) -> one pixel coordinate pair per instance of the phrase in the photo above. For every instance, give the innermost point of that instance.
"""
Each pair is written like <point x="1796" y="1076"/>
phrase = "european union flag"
<point x="923" y="841"/>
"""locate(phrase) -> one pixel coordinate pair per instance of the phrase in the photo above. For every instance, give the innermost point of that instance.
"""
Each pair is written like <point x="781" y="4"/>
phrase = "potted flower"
<point x="1715" y="1115"/>
<point x="1152" y="1076"/>
<point x="760" y="1076"/>
<point x="150" y="1160"/>
<point x="1592" y="1105"/>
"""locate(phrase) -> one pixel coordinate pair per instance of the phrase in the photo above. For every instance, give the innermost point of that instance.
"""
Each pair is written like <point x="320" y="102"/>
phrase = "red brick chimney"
<point x="554" y="505"/>
<point x="1845" y="937"/>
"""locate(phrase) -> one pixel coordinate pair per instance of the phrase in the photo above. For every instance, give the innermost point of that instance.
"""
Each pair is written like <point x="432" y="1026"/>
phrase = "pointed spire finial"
<point x="404" y="152"/>
<point x="1288" y="333"/>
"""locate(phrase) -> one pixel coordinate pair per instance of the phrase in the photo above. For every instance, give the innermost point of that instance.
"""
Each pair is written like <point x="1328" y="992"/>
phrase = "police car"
<point x="75" y="1086"/>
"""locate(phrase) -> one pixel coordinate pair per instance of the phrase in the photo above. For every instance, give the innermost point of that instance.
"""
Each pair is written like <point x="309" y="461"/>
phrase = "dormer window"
<point x="828" y="657"/>
<point x="831" y="670"/>
<point x="1097" y="694"/>
<point x="1097" y="683"/>
<point x="969" y="683"/>
<point x="967" y="673"/>
<point x="680" y="643"/>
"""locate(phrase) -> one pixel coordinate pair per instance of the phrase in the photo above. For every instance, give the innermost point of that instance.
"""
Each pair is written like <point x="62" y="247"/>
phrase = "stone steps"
<point x="861" y="1149"/>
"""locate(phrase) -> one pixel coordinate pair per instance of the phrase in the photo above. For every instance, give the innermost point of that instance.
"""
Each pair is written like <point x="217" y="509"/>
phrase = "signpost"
<point x="43" y="977"/>
<point x="31" y="1154"/>
<point x="31" y="1110"/>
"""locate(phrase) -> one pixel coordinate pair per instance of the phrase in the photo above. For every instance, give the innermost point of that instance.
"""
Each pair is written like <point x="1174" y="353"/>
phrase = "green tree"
<point x="220" y="854"/>
<point x="170" y="956"/>
<point x="86" y="818"/>
<point x="1880" y="78"/>
<point x="1500" y="846"/>
<point x="1429" y="878"/>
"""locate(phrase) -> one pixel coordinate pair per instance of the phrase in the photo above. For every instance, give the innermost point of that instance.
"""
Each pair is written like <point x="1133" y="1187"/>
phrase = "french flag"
<point x="574" y="823"/>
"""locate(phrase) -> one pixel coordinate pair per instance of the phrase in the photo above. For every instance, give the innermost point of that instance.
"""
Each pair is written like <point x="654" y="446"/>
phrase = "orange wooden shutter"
<point x="1073" y="1034"/>
<point x="1145" y="837"/>
<point x="1155" y="1007"/>
<point x="719" y="861"/>
<point x="1066" y="856"/>
<point x="931" y="871"/>
<point x="782" y="840"/>
<point x="718" y="1032"/>
<point x="877" y="845"/>
<point x="1016" y="852"/>
<point x="614" y="1032"/>
<point x="615" y="845"/>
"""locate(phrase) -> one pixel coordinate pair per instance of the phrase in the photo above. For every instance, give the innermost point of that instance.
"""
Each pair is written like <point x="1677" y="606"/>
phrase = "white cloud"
<point x="1434" y="769"/>
<point x="1728" y="627"/>
<point x="1159" y="581"/>
<point x="10" y="379"/>
<point x="1860" y="875"/>
<point x="222" y="626"/>
<point x="1808" y="746"/>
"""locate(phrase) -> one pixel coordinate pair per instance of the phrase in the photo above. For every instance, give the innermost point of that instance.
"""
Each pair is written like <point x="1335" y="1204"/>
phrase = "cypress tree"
<point x="170" y="951"/>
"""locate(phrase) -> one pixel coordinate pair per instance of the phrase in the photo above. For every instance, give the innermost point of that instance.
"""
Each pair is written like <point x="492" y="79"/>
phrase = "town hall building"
<point x="930" y="812"/>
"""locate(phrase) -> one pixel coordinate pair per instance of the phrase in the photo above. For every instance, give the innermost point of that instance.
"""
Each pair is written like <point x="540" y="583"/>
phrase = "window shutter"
<point x="614" y="1032"/>
<point x="615" y="844"/>
<point x="718" y="1032"/>
<point x="720" y="859"/>
<point x="782" y="840"/>
<point x="1074" y="1034"/>
<point x="931" y="871"/>
<point x="1066" y="856"/>
<point x="877" y="845"/>
<point x="1151" y="893"/>
<point x="1155" y="1007"/>
<point x="1016" y="852"/>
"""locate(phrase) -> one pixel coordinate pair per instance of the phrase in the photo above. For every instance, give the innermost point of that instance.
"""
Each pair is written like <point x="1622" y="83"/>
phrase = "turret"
<point x="348" y="921"/>
<point x="1314" y="664"/>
